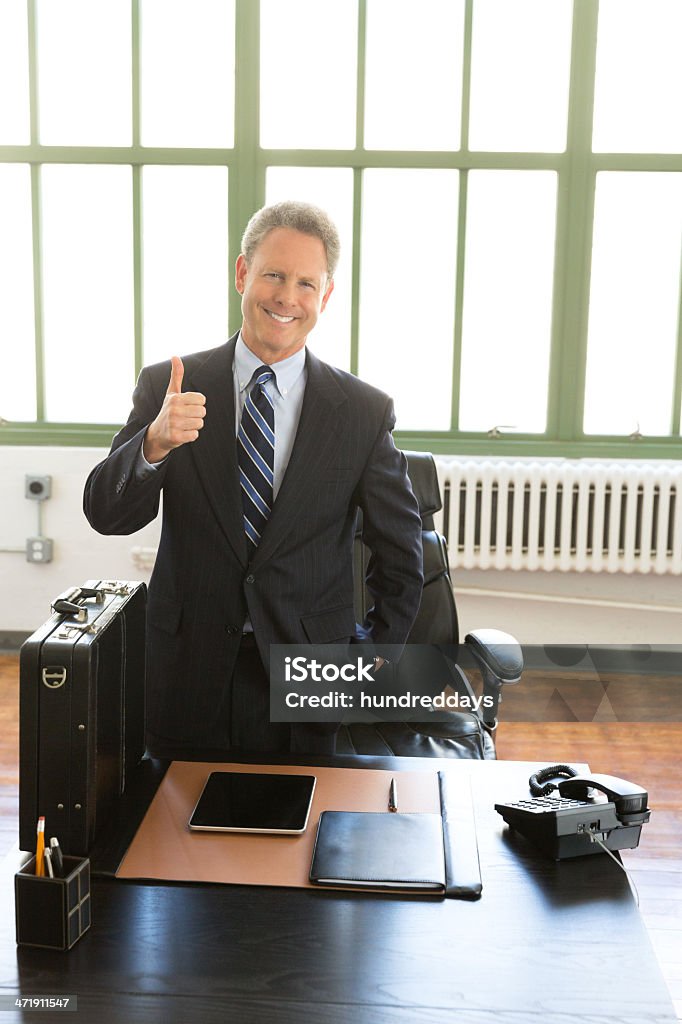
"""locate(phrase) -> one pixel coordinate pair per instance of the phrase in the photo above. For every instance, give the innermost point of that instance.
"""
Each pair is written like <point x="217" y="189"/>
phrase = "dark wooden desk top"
<point x="547" y="942"/>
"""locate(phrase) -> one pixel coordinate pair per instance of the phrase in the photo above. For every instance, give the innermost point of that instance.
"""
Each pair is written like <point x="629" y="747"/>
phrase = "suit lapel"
<point x="215" y="450"/>
<point x="314" y="438"/>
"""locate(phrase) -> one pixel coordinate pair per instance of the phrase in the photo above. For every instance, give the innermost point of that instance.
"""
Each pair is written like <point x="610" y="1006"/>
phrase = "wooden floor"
<point x="9" y="751"/>
<point x="647" y="754"/>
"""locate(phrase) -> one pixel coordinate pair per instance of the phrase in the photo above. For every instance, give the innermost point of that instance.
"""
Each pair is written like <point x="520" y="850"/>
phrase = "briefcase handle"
<point x="67" y="603"/>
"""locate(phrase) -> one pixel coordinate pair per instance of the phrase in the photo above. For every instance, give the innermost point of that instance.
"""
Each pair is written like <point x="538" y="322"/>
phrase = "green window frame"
<point x="247" y="163"/>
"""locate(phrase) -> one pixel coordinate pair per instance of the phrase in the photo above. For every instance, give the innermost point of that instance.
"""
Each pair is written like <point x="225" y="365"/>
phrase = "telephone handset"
<point x="573" y="823"/>
<point x="629" y="800"/>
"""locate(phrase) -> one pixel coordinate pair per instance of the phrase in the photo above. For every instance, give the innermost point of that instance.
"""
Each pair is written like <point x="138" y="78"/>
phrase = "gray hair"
<point x="303" y="217"/>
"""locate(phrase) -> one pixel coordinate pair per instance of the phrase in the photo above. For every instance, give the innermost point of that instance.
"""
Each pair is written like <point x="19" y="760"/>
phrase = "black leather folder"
<point x="462" y="867"/>
<point x="379" y="850"/>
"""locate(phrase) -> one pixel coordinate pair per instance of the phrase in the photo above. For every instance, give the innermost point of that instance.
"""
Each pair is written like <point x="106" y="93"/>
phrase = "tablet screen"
<point x="250" y="802"/>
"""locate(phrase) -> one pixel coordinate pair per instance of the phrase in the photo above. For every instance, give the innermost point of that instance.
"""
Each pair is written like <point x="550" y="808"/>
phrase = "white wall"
<point x="536" y="607"/>
<point x="571" y="607"/>
<point x="79" y="553"/>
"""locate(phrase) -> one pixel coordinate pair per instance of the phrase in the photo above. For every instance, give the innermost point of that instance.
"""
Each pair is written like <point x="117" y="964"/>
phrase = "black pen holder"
<point x="52" y="912"/>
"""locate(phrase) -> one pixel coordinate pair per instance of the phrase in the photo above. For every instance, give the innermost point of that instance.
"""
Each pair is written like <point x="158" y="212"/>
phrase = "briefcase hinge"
<point x="115" y="587"/>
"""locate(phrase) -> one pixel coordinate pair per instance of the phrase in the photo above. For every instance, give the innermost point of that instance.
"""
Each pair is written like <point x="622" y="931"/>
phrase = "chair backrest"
<point x="436" y="621"/>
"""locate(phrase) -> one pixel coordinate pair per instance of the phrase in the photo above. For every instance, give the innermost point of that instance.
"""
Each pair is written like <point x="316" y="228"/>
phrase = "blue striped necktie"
<point x="256" y="448"/>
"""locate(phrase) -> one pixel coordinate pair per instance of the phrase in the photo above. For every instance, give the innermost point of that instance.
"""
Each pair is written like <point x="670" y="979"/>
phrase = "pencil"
<point x="40" y="848"/>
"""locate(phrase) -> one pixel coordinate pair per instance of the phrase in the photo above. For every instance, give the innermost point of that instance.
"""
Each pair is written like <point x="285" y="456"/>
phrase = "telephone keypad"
<point x="539" y="804"/>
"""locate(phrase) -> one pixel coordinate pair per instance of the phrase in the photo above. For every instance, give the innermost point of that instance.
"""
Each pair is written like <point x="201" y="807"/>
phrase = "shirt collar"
<point x="287" y="371"/>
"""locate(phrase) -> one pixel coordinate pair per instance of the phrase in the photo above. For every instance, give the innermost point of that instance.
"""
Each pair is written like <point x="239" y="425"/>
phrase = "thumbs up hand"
<point x="180" y="418"/>
<point x="177" y="373"/>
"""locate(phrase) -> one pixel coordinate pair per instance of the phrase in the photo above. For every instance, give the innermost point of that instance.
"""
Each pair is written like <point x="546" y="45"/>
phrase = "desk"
<point x="547" y="943"/>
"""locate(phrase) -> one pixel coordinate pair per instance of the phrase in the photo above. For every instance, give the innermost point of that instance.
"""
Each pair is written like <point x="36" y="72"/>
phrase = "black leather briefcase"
<point x="81" y="711"/>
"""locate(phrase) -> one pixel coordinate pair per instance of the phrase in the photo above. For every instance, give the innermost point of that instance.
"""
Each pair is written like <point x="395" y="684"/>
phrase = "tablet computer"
<point x="252" y="802"/>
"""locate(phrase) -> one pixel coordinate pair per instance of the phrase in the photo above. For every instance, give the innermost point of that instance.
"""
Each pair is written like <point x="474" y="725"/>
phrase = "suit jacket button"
<point x="231" y="630"/>
<point x="250" y="578"/>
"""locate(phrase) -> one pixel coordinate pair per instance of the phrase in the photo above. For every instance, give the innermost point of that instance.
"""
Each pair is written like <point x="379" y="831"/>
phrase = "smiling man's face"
<point x="284" y="289"/>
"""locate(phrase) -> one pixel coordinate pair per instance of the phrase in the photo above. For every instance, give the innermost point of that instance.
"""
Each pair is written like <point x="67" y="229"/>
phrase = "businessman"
<point x="263" y="454"/>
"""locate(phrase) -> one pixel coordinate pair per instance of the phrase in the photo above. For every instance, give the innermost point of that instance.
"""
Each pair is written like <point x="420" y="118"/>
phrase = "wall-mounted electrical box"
<point x="38" y="488"/>
<point x="38" y="549"/>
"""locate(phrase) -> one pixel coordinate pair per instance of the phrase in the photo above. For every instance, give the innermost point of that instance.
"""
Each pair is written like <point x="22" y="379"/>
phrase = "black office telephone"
<point x="574" y="823"/>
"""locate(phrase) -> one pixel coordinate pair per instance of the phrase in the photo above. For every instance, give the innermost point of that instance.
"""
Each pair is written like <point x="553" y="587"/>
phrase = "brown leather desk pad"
<point x="165" y="849"/>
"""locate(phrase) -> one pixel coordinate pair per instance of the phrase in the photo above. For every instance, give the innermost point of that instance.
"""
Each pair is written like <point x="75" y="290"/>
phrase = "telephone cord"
<point x="595" y="839"/>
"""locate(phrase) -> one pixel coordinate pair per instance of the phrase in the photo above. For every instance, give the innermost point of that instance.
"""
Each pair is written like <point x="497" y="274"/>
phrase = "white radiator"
<point x="581" y="516"/>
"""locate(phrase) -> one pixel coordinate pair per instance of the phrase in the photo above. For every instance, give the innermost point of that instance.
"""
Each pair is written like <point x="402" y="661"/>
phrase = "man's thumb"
<point x="177" y="373"/>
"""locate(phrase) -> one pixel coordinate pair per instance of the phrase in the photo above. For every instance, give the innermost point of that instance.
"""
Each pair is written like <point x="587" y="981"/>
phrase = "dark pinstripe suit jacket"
<point x="298" y="588"/>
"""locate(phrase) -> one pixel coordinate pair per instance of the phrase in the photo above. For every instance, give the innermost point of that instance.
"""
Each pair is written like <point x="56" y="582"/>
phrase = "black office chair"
<point x="496" y="655"/>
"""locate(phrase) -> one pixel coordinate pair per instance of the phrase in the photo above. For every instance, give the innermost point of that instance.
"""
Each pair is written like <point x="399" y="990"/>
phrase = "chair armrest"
<point x="499" y="657"/>
<point x="499" y="652"/>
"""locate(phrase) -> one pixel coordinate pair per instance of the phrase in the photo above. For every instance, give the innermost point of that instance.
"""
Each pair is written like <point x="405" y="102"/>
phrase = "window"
<point x="413" y="75"/>
<point x="185" y="273"/>
<point x="407" y="290"/>
<point x="634" y="302"/>
<point x="187" y="73"/>
<point x="508" y="193"/>
<point x="87" y="290"/>
<point x="507" y="310"/>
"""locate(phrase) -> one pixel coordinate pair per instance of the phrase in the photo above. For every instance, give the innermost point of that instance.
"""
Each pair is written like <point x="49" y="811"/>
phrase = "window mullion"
<point x="575" y="208"/>
<point x="32" y="70"/>
<point x="247" y="172"/>
<point x="138" y="354"/>
<point x="135" y="68"/>
<point x="38" y="293"/>
<point x="461" y="218"/>
<point x="355" y="271"/>
<point x="358" y="172"/>
<point x="137" y="269"/>
<point x="459" y="298"/>
<point x="676" y="424"/>
<point x="360" y="86"/>
<point x="466" y="74"/>
<point x="35" y="216"/>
